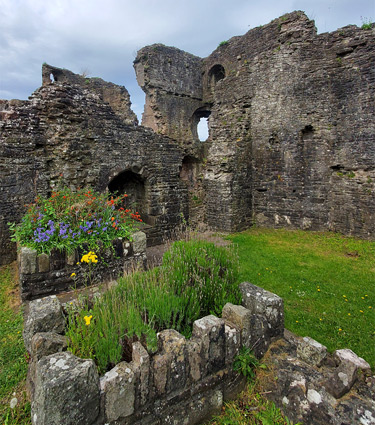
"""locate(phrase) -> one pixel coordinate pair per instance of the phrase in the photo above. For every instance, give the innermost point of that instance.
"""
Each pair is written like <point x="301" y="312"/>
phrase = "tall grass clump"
<point x="196" y="278"/>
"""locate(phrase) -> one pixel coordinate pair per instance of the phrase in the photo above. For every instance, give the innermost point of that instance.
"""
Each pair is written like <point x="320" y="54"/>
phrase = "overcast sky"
<point x="102" y="37"/>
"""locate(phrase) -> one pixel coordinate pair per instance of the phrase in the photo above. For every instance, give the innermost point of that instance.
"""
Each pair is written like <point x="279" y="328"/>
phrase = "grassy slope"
<point x="13" y="366"/>
<point x="327" y="282"/>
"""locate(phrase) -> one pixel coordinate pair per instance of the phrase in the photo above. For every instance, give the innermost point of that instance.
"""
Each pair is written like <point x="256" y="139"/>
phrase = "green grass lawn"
<point x="327" y="282"/>
<point x="13" y="365"/>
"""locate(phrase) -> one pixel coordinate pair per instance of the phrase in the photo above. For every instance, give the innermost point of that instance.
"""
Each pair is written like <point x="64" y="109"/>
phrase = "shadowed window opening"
<point x="134" y="186"/>
<point x="52" y="78"/>
<point x="200" y="124"/>
<point x="217" y="73"/>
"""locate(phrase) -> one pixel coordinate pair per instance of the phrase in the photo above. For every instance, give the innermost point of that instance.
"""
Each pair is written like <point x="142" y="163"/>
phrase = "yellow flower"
<point x="296" y="321"/>
<point x="349" y="314"/>
<point x="320" y="319"/>
<point x="340" y="329"/>
<point x="72" y="275"/>
<point x="318" y="290"/>
<point x="87" y="319"/>
<point x="361" y="311"/>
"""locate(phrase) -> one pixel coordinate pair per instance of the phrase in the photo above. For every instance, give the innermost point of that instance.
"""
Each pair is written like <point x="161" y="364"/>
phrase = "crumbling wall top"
<point x="116" y="96"/>
<point x="161" y="67"/>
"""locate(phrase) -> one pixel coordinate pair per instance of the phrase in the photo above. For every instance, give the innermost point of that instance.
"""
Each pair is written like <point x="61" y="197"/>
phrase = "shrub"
<point x="68" y="220"/>
<point x="196" y="278"/>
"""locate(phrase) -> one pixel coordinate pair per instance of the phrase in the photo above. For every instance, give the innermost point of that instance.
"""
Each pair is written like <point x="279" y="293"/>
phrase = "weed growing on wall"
<point x="68" y="220"/>
<point x="195" y="279"/>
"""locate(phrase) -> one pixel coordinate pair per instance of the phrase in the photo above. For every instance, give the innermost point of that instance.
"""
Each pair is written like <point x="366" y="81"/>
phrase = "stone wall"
<point x="186" y="380"/>
<point x="291" y="126"/>
<point x="67" y="133"/>
<point x="42" y="275"/>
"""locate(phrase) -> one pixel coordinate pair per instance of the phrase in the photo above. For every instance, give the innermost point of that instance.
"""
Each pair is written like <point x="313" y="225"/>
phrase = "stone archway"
<point x="135" y="186"/>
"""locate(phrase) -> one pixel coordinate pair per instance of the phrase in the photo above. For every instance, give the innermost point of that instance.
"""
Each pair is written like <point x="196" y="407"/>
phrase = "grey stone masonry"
<point x="311" y="351"/>
<point x="270" y="306"/>
<point x="66" y="391"/>
<point x="186" y="381"/>
<point x="44" y="315"/>
<point x="41" y="275"/>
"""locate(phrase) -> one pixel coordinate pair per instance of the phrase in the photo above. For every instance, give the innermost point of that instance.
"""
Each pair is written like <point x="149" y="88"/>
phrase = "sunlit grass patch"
<point x="327" y="282"/>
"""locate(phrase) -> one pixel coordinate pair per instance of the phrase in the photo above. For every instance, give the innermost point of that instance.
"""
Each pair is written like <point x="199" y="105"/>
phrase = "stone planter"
<point x="184" y="382"/>
<point x="187" y="380"/>
<point x="41" y="275"/>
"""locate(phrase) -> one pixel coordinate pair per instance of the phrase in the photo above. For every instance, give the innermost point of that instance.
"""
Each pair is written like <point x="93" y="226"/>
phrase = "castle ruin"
<point x="291" y="135"/>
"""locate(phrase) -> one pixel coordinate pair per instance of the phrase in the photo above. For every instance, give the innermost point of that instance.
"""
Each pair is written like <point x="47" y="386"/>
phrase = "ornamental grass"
<point x="196" y="278"/>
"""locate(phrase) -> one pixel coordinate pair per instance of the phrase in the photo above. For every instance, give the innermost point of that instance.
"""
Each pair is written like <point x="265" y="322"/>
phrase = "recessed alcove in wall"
<point x="215" y="74"/>
<point x="200" y="124"/>
<point x="134" y="185"/>
<point x="189" y="170"/>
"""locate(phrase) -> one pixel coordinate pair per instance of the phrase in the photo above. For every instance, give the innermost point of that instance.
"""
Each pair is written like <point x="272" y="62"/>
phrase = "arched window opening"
<point x="52" y="78"/>
<point x="134" y="186"/>
<point x="216" y="73"/>
<point x="202" y="129"/>
<point x="200" y="124"/>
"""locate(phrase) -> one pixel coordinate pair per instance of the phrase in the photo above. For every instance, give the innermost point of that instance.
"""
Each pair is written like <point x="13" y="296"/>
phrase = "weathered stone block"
<point x="348" y="356"/>
<point x="232" y="344"/>
<point x="311" y="351"/>
<point x="211" y="331"/>
<point x="118" y="392"/>
<point x="44" y="315"/>
<point x="139" y="242"/>
<point x="43" y="263"/>
<point x="141" y="361"/>
<point x="170" y="366"/>
<point x="193" y="349"/>
<point x="341" y="381"/>
<point x="27" y="260"/>
<point x="66" y="391"/>
<point x="254" y="328"/>
<point x="46" y="343"/>
<point x="265" y="303"/>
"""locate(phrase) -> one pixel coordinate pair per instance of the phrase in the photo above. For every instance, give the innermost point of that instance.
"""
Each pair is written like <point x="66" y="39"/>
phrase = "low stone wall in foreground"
<point x="187" y="380"/>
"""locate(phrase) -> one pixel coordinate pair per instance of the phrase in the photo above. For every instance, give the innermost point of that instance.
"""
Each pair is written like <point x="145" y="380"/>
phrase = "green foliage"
<point x="223" y="43"/>
<point x="366" y="23"/>
<point x="69" y="220"/>
<point x="251" y="408"/>
<point x="196" y="279"/>
<point x="246" y="363"/>
<point x="325" y="279"/>
<point x="13" y="365"/>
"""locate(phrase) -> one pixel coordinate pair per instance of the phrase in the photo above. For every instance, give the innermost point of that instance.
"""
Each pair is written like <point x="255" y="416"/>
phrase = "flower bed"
<point x="57" y="234"/>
